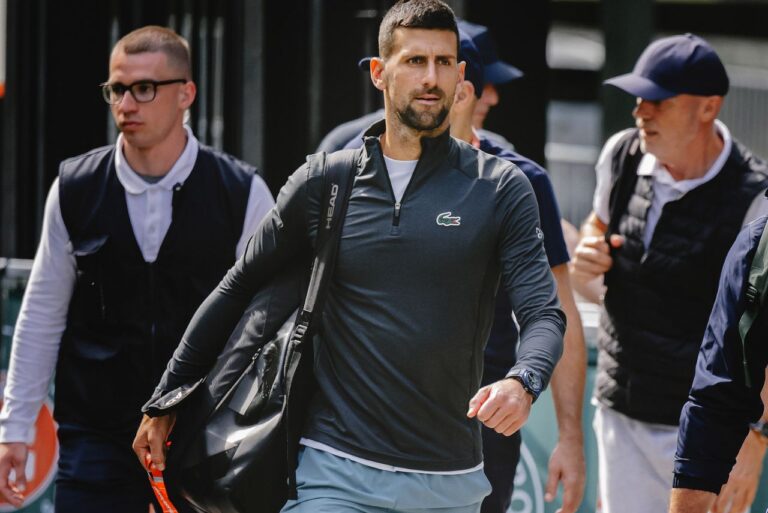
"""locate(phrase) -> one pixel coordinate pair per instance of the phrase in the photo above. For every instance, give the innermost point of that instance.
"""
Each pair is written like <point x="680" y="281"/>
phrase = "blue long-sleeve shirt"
<point x="715" y="420"/>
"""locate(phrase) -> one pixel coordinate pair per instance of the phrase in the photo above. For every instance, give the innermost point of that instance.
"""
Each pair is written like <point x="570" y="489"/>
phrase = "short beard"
<point x="423" y="122"/>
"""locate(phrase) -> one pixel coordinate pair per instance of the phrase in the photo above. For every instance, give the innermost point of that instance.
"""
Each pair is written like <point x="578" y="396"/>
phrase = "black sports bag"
<point x="235" y="442"/>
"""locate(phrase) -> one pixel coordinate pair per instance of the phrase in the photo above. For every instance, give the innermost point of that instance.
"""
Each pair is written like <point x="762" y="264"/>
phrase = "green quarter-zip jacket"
<point x="411" y="302"/>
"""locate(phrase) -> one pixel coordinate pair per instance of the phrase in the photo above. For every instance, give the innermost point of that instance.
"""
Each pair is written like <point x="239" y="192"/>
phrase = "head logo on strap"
<point x="331" y="205"/>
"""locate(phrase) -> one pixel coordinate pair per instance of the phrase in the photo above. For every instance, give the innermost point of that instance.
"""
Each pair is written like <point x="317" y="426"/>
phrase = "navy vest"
<point x="658" y="300"/>
<point x="126" y="315"/>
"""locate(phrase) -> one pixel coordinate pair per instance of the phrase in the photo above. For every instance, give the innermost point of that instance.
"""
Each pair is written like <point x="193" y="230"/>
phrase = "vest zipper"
<point x="396" y="217"/>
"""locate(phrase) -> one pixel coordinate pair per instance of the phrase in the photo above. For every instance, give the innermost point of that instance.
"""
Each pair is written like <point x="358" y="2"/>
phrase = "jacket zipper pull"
<point x="396" y="220"/>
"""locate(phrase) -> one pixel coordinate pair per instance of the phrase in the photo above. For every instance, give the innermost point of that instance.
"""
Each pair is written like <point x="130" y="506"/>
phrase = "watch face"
<point x="534" y="381"/>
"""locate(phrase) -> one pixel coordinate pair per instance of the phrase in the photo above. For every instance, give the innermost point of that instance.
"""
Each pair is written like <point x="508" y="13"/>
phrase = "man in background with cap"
<point x="502" y="453"/>
<point x="495" y="72"/>
<point x="671" y="196"/>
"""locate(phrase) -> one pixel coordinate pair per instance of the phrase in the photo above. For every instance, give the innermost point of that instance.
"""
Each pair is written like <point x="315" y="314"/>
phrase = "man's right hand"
<point x="150" y="442"/>
<point x="592" y="257"/>
<point x="13" y="456"/>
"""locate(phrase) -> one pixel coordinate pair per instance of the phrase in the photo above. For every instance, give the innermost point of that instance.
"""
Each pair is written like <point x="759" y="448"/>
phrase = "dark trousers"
<point x="500" y="455"/>
<point x="78" y="497"/>
<point x="100" y="473"/>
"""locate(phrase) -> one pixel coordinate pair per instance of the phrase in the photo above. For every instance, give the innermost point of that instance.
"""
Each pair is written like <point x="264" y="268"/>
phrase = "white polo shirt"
<point x="665" y="187"/>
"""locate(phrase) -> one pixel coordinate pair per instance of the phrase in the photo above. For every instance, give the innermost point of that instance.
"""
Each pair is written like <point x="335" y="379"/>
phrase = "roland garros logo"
<point x="528" y="496"/>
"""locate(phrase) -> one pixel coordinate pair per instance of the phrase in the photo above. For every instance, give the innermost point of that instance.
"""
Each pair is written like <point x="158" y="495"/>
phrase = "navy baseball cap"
<point x="473" y="70"/>
<point x="684" y="64"/>
<point x="496" y="71"/>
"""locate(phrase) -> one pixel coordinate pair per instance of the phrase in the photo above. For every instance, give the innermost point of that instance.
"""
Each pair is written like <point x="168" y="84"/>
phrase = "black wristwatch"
<point x="530" y="380"/>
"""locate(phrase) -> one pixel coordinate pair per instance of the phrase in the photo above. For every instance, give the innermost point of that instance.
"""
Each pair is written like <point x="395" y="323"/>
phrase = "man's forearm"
<point x="570" y="373"/>
<point x="684" y="500"/>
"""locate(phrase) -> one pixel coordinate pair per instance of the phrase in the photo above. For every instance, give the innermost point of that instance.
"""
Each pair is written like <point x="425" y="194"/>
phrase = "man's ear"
<point x="377" y="73"/>
<point x="711" y="108"/>
<point x="462" y="66"/>
<point x="187" y="95"/>
<point x="464" y="92"/>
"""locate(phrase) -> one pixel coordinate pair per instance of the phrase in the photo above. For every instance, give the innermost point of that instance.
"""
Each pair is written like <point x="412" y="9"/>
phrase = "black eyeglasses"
<point x="143" y="91"/>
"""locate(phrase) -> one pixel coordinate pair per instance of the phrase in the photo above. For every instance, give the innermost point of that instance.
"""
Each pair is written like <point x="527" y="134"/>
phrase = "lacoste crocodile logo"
<point x="446" y="219"/>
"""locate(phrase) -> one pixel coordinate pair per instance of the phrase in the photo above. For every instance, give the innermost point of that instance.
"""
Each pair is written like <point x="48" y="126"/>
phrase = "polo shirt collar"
<point x="180" y="171"/>
<point x="649" y="165"/>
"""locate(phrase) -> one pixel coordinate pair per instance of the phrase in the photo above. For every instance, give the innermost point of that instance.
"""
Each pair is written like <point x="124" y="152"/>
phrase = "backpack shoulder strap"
<point x="754" y="295"/>
<point x="338" y="171"/>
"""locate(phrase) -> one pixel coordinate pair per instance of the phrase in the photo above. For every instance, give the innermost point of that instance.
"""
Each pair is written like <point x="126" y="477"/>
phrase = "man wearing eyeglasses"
<point x="135" y="237"/>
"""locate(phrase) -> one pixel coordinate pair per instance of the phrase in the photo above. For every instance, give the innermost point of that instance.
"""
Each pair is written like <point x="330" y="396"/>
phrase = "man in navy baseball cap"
<point x="496" y="72"/>
<point x="501" y="454"/>
<point x="683" y="64"/>
<point x="671" y="196"/>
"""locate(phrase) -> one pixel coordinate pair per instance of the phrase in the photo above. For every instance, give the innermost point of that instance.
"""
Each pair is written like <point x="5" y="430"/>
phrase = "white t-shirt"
<point x="400" y="173"/>
<point x="665" y="188"/>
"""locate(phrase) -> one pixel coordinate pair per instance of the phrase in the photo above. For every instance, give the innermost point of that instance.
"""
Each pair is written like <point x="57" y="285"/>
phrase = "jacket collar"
<point x="434" y="150"/>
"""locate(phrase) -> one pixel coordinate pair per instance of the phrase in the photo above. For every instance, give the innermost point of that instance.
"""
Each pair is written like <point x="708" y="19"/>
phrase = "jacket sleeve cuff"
<point x="696" y="483"/>
<point x="11" y="432"/>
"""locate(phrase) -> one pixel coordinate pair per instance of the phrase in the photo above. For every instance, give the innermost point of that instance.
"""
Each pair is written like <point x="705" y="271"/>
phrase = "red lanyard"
<point x="158" y="486"/>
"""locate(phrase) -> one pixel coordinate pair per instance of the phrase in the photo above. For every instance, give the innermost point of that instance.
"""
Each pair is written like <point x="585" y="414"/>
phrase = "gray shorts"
<point x="328" y="483"/>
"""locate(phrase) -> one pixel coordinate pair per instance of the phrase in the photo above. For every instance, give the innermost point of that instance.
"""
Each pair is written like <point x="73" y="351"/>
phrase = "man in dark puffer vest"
<point x="671" y="197"/>
<point x="135" y="237"/>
